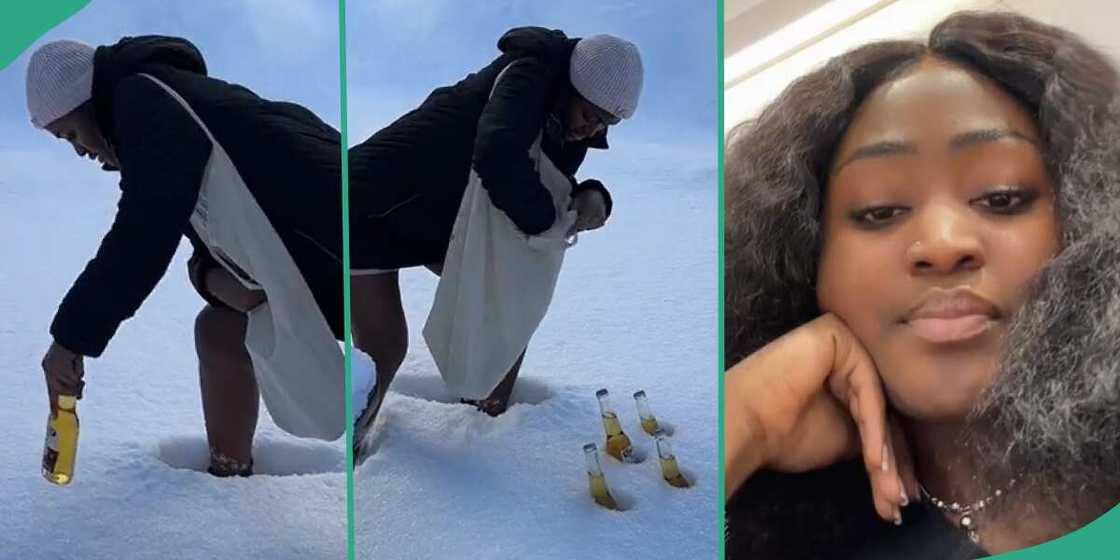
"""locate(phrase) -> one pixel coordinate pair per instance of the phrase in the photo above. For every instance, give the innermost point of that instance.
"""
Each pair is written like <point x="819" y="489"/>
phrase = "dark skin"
<point x="63" y="368"/>
<point x="584" y="120"/>
<point x="79" y="128"/>
<point x="230" y="398"/>
<point x="939" y="187"/>
<point x="229" y="392"/>
<point x="807" y="400"/>
<point x="953" y="195"/>
<point x="380" y="330"/>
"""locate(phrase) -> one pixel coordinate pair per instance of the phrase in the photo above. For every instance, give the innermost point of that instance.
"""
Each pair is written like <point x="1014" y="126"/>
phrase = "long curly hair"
<point x="1054" y="411"/>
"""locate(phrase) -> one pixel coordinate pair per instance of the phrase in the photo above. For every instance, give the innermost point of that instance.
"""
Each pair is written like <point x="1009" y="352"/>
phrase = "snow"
<point x="138" y="490"/>
<point x="636" y="308"/>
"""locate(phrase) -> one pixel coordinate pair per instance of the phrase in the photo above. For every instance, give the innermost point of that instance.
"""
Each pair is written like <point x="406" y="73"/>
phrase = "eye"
<point x="876" y="216"/>
<point x="1007" y="201"/>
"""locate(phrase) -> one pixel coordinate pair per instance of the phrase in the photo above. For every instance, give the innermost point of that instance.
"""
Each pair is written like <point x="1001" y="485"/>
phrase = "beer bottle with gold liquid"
<point x="618" y="443"/>
<point x="597" y="483"/>
<point x="61" y="445"/>
<point x="669" y="468"/>
<point x="649" y="421"/>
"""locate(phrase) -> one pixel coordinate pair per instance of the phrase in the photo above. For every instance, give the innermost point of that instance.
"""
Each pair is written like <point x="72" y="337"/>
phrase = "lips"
<point x="945" y="316"/>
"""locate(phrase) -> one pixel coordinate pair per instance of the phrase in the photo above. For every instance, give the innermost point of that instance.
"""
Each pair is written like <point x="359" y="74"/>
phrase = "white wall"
<point x="1094" y="20"/>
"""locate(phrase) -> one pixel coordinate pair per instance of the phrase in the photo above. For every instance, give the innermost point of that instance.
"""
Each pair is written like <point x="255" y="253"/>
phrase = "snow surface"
<point x="636" y="308"/>
<point x="138" y="490"/>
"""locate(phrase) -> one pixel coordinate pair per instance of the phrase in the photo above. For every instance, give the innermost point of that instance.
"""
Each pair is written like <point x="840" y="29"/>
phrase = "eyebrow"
<point x="989" y="135"/>
<point x="959" y="141"/>
<point x="879" y="149"/>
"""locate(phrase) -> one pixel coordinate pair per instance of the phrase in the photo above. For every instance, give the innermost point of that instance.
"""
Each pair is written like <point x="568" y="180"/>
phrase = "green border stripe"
<point x="348" y="342"/>
<point x="719" y="221"/>
<point x="25" y="22"/>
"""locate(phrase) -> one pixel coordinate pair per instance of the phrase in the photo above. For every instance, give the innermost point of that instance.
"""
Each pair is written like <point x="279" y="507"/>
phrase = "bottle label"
<point x="50" y="450"/>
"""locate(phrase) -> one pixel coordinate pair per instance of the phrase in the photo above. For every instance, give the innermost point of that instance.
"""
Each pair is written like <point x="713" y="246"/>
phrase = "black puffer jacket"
<point x="407" y="180"/>
<point x="288" y="158"/>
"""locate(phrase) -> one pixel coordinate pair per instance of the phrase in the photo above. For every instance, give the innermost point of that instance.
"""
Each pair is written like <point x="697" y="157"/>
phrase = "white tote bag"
<point x="297" y="363"/>
<point x="496" y="284"/>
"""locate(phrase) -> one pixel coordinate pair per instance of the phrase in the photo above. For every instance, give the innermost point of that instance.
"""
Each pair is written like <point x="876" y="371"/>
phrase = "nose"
<point x="947" y="240"/>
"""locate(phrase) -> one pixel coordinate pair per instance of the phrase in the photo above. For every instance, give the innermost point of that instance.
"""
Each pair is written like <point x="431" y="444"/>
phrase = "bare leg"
<point x="498" y="400"/>
<point x="378" y="324"/>
<point x="230" y="400"/>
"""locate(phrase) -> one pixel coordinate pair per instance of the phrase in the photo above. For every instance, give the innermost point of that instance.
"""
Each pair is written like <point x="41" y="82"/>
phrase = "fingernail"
<point x="885" y="460"/>
<point x="897" y="519"/>
<point x="905" y="499"/>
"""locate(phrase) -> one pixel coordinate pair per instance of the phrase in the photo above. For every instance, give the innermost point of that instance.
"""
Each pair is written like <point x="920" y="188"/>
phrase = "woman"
<point x="252" y="183"/>
<point x="953" y="325"/>
<point x="408" y="179"/>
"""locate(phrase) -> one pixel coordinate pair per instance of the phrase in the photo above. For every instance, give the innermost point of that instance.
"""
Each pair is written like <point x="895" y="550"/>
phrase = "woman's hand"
<point x="63" y="371"/>
<point x="807" y="400"/>
<point x="591" y="210"/>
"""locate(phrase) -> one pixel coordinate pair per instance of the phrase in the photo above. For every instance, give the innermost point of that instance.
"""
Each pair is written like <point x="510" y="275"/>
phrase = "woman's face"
<point x="584" y="119"/>
<point x="939" y="210"/>
<point x="79" y="128"/>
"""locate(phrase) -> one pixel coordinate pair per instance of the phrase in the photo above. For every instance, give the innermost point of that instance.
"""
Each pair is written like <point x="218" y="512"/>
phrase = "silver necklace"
<point x="967" y="512"/>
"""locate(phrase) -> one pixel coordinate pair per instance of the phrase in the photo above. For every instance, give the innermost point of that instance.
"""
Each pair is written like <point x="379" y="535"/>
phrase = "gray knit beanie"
<point x="607" y="71"/>
<point x="59" y="79"/>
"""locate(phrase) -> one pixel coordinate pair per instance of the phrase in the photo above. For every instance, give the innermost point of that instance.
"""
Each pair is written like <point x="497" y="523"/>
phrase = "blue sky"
<point x="280" y="49"/>
<point x="399" y="50"/>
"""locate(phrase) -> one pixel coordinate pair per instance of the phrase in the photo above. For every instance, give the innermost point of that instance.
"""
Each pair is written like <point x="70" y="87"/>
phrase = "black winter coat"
<point x="408" y="179"/>
<point x="287" y="156"/>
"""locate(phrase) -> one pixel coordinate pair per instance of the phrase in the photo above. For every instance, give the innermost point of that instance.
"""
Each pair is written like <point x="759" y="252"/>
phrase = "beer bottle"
<point x="649" y="421"/>
<point x="596" y="481"/>
<point x="62" y="441"/>
<point x="669" y="468"/>
<point x="618" y="443"/>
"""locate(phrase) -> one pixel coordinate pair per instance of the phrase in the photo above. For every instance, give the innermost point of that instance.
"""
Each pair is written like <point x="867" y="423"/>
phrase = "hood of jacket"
<point x="555" y="48"/>
<point x="551" y="45"/>
<point x="132" y="55"/>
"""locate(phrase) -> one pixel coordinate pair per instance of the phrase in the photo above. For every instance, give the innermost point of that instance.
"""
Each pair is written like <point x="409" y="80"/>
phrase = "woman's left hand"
<point x="591" y="210"/>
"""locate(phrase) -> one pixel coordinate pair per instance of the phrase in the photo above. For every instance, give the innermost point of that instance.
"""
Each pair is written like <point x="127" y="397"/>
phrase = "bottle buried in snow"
<point x="618" y="443"/>
<point x="61" y="446"/>
<point x="649" y="421"/>
<point x="597" y="483"/>
<point x="669" y="468"/>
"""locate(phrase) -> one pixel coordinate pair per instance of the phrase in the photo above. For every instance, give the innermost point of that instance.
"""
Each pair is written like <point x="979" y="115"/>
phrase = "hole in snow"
<point x="271" y="456"/>
<point x="528" y="390"/>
